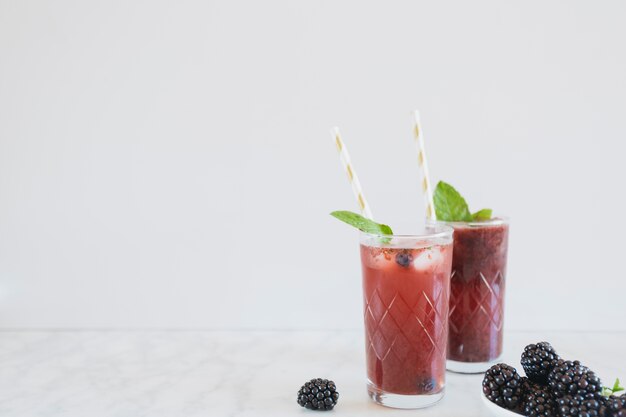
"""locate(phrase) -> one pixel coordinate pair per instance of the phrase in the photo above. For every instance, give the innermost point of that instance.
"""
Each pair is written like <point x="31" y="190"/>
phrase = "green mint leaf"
<point x="363" y="224"/>
<point x="480" y="215"/>
<point x="450" y="206"/>
<point x="607" y="392"/>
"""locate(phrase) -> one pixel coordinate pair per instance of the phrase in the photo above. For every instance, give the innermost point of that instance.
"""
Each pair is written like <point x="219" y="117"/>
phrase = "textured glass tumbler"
<point x="406" y="282"/>
<point x="477" y="295"/>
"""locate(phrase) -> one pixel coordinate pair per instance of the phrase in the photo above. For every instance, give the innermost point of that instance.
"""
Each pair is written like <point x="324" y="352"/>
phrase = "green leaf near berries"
<point x="363" y="224"/>
<point x="607" y="392"/>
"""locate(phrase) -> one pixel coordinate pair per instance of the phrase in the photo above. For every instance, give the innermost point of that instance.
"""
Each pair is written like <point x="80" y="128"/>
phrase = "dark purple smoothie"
<point x="477" y="291"/>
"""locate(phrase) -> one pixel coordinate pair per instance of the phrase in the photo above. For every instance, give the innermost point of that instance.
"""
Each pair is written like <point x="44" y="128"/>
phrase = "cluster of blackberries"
<point x="552" y="387"/>
<point x="318" y="394"/>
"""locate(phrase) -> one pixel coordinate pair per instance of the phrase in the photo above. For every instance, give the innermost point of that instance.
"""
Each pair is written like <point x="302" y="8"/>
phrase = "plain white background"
<point x="169" y="163"/>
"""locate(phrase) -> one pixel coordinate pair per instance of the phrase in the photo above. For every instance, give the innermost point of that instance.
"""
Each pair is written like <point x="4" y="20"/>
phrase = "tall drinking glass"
<point x="477" y="294"/>
<point x="406" y="283"/>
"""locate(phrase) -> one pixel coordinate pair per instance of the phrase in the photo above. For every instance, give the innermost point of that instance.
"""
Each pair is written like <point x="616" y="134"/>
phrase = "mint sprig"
<point x="363" y="224"/>
<point x="450" y="206"/>
<point x="484" y="214"/>
<point x="607" y="392"/>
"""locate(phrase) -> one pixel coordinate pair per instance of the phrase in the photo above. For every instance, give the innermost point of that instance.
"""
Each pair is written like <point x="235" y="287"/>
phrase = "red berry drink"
<point x="406" y="283"/>
<point x="477" y="295"/>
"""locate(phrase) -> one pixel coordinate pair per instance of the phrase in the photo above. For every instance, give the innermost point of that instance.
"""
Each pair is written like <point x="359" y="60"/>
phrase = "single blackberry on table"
<point x="538" y="360"/>
<point x="572" y="378"/>
<point x="587" y="405"/>
<point x="502" y="385"/>
<point x="318" y="394"/>
<point x="615" y="406"/>
<point x="537" y="400"/>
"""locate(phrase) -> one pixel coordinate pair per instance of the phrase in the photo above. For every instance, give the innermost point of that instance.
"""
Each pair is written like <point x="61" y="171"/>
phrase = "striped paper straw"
<point x="423" y="163"/>
<point x="352" y="177"/>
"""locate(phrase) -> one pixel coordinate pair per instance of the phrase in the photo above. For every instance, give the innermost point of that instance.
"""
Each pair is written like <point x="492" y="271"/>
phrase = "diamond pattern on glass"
<point x="481" y="307"/>
<point x="400" y="329"/>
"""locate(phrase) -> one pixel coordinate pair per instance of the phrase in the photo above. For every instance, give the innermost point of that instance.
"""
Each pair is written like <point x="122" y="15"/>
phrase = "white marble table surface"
<point x="229" y="373"/>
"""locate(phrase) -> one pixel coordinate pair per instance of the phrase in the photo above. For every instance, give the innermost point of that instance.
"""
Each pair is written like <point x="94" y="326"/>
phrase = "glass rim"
<point x="442" y="231"/>
<point x="474" y="223"/>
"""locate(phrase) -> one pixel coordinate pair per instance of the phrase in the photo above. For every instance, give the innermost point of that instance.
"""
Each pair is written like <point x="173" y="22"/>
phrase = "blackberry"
<point x="502" y="385"/>
<point x="538" y="360"/>
<point x="537" y="400"/>
<point x="572" y="378"/>
<point x="588" y="405"/>
<point x="616" y="406"/>
<point x="318" y="394"/>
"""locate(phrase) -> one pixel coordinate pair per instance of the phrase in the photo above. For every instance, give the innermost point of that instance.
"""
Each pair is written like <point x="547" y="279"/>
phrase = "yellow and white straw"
<point x="352" y="177"/>
<point x="418" y="135"/>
